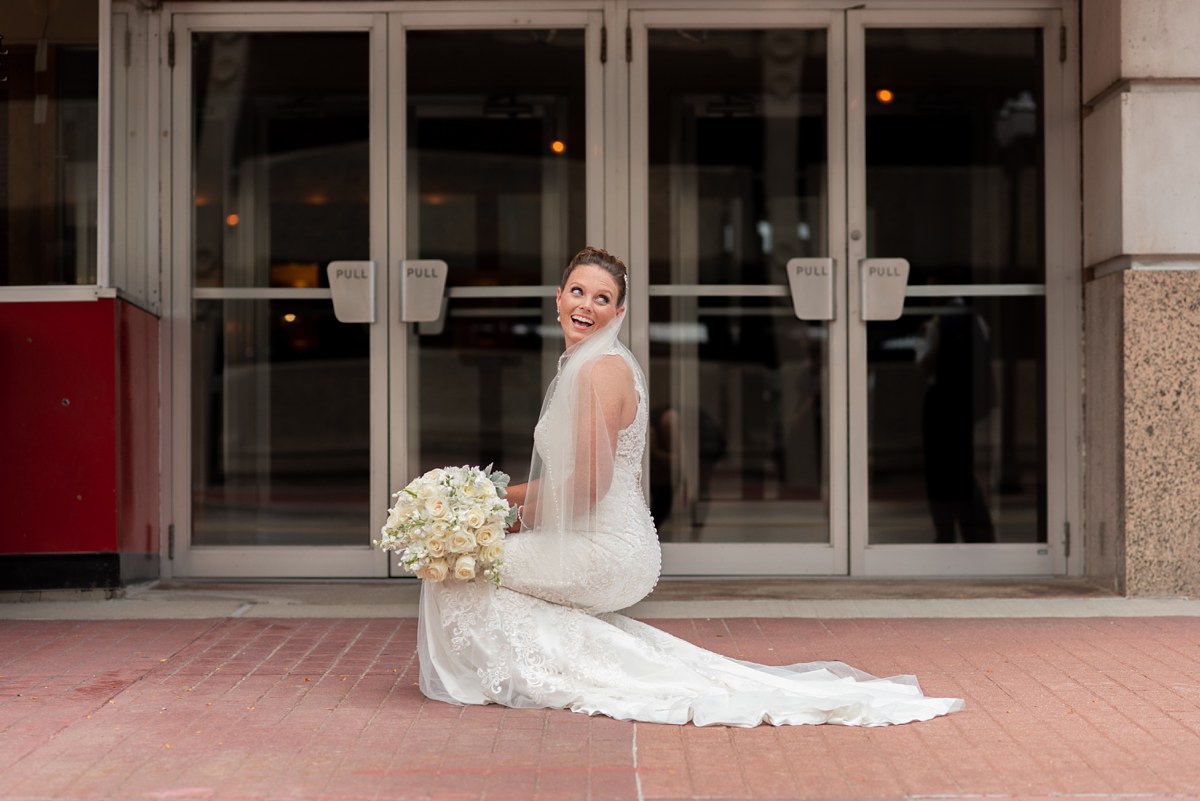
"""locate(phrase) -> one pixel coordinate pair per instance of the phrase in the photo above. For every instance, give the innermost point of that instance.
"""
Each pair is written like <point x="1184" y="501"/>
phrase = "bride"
<point x="548" y="636"/>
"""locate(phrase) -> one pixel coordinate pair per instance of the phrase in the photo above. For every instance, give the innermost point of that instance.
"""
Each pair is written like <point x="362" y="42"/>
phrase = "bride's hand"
<point x="516" y="498"/>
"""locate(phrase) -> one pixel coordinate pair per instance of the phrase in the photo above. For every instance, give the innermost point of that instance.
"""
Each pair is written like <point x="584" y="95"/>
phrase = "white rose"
<point x="474" y="518"/>
<point x="436" y="547"/>
<point x="484" y="489"/>
<point x="464" y="567"/>
<point x="486" y="535"/>
<point x="461" y="541"/>
<point x="492" y="553"/>
<point x="436" y="507"/>
<point x="437" y="570"/>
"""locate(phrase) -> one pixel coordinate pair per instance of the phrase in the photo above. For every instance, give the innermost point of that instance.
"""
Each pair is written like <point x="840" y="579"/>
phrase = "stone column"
<point x="1141" y="196"/>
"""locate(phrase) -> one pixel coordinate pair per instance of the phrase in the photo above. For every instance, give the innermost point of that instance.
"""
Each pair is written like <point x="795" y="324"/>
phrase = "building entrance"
<point x="842" y="226"/>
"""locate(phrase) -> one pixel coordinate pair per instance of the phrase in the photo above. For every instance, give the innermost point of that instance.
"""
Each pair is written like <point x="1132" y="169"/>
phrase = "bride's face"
<point x="587" y="302"/>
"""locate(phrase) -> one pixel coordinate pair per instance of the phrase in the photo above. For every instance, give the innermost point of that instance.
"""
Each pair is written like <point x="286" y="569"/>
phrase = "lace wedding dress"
<point x="549" y="635"/>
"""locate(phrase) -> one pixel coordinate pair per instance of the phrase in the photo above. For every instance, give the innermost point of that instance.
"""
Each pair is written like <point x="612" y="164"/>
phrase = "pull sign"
<point x="883" y="285"/>
<point x="811" y="282"/>
<point x="353" y="286"/>
<point x="422" y="286"/>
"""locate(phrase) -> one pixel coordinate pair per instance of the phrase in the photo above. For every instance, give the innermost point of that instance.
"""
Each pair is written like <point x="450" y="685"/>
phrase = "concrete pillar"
<point x="1141" y="191"/>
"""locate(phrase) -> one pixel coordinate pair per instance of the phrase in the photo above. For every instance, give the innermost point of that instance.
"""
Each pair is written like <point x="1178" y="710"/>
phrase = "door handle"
<point x="423" y="292"/>
<point x="352" y="285"/>
<point x="883" y="283"/>
<point x="811" y="284"/>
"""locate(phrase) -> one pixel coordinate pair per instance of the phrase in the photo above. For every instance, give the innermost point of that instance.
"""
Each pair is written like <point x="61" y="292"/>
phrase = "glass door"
<point x="857" y="239"/>
<point x="496" y="180"/>
<point x="738" y="180"/>
<point x="278" y="147"/>
<point x="848" y="234"/>
<point x="953" y="128"/>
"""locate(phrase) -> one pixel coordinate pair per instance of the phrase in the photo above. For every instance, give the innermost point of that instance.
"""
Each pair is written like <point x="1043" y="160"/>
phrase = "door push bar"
<point x="423" y="294"/>
<point x="352" y="285"/>
<point x="811" y="283"/>
<point x="883" y="283"/>
<point x="422" y="291"/>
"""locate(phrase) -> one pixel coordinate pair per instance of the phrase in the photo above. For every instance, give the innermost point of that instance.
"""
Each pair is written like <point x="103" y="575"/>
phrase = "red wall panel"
<point x="58" y="427"/>
<point x="138" y="431"/>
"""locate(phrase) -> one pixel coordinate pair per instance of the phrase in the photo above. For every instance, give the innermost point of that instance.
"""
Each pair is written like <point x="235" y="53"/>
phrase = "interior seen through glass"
<point x="956" y="387"/>
<point x="738" y="185"/>
<point x="496" y="154"/>
<point x="49" y="125"/>
<point x="280" y="388"/>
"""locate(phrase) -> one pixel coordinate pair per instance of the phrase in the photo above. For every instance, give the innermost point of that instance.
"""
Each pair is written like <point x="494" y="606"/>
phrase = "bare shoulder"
<point x="612" y="378"/>
<point x="612" y="369"/>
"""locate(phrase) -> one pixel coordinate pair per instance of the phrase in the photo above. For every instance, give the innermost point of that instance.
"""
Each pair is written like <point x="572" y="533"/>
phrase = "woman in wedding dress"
<point x="549" y="635"/>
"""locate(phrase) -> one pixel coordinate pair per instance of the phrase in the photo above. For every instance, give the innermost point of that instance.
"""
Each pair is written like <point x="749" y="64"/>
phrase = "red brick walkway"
<point x="328" y="709"/>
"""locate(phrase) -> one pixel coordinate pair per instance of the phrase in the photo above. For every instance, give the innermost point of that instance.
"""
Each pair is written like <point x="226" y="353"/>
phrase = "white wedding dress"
<point x="549" y="636"/>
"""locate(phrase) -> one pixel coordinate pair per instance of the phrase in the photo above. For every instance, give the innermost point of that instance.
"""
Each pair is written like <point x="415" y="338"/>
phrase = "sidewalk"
<point x="275" y="691"/>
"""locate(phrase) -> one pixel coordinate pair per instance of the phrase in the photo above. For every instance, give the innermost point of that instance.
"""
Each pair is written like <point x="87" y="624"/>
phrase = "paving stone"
<point x="302" y="709"/>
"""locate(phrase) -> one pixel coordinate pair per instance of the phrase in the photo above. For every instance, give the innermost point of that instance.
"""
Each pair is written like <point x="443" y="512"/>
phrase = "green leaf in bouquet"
<point x="498" y="478"/>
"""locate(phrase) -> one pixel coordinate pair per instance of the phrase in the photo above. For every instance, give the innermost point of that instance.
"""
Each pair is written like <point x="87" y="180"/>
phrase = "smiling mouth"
<point x="582" y="321"/>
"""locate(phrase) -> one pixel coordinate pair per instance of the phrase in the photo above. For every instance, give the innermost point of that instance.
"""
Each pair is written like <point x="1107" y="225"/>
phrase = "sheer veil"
<point x="576" y="434"/>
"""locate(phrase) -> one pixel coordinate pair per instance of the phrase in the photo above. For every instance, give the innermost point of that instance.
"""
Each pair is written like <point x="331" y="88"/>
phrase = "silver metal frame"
<point x="104" y="148"/>
<point x="104" y="113"/>
<point x="255" y="561"/>
<point x="134" y="220"/>
<point x="1062" y="307"/>
<point x="753" y="558"/>
<point x="617" y="209"/>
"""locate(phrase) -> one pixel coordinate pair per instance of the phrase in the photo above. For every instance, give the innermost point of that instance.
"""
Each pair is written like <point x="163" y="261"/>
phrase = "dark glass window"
<point x="49" y="83"/>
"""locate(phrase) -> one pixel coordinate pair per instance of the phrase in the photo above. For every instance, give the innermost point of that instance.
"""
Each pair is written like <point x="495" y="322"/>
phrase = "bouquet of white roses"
<point x="450" y="522"/>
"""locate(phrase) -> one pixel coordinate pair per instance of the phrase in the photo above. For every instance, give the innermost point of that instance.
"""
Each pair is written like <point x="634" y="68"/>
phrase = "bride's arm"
<point x="524" y="497"/>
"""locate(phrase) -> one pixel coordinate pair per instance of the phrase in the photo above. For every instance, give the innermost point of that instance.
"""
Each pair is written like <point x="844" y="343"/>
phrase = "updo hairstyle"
<point x="605" y="261"/>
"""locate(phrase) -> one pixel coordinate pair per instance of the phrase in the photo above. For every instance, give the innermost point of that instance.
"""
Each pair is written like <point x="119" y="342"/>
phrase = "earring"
<point x="558" y="314"/>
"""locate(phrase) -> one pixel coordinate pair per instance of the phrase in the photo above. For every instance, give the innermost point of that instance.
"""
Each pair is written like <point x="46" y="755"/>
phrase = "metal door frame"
<point x="849" y="550"/>
<point x="1062" y="305"/>
<point x="616" y="218"/>
<point x="260" y="561"/>
<point x="386" y="24"/>
<point x="750" y="558"/>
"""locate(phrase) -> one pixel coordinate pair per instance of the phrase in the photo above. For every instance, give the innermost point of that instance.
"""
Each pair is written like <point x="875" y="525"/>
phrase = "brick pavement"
<point x="329" y="709"/>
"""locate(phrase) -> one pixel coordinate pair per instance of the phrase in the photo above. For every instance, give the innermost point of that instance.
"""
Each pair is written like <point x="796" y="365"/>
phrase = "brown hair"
<point x="605" y="261"/>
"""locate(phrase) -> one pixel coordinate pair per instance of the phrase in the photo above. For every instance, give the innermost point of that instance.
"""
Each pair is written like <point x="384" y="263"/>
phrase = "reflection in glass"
<point x="739" y="453"/>
<point x="496" y="188"/>
<point x="281" y="412"/>
<point x="496" y="151"/>
<point x="956" y="407"/>
<point x="737" y="186"/>
<point x="280" y="157"/>
<point x="480" y="387"/>
<point x="49" y="88"/>
<point x="280" y="425"/>
<point x="956" y="386"/>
